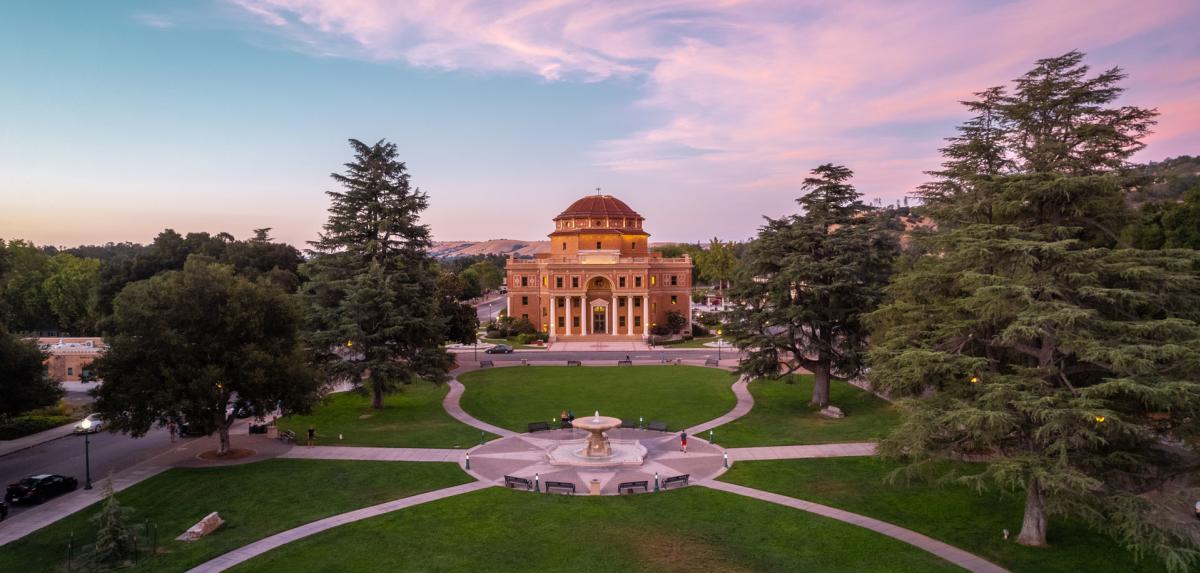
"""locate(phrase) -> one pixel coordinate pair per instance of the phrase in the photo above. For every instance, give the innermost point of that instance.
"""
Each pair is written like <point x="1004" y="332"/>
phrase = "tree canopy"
<point x="24" y="384"/>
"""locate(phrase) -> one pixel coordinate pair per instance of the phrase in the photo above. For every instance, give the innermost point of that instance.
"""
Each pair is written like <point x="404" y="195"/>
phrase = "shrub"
<point x="494" y="334"/>
<point x="688" y="337"/>
<point x="700" y="330"/>
<point x="21" y="426"/>
<point x="660" y="330"/>
<point x="521" y="326"/>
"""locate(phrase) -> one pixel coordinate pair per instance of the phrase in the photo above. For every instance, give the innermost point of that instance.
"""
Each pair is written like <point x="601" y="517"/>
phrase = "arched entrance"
<point x="599" y="305"/>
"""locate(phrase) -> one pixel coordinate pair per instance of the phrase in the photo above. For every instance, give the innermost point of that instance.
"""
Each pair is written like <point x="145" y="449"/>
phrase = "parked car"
<point x="499" y="349"/>
<point x="97" y="424"/>
<point x="187" y="430"/>
<point x="39" y="488"/>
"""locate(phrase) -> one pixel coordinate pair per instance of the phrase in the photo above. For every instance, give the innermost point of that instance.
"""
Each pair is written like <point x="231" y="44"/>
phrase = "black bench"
<point x="681" y="480"/>
<point x="657" y="426"/>
<point x="287" y="436"/>
<point x="513" y="482"/>
<point x="712" y="362"/>
<point x="628" y="424"/>
<point x="629" y="486"/>
<point x="486" y="364"/>
<point x="624" y="363"/>
<point x="574" y="363"/>
<point x="538" y="426"/>
<point x="565" y="486"/>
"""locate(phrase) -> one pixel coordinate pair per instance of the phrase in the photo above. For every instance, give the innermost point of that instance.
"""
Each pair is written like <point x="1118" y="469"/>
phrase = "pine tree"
<point x="1027" y="337"/>
<point x="372" y="293"/>
<point x="115" y="540"/>
<point x="806" y="283"/>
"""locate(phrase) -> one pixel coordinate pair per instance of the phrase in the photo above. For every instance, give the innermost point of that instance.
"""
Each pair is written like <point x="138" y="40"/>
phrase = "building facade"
<point x="599" y="278"/>
<point x="68" y="358"/>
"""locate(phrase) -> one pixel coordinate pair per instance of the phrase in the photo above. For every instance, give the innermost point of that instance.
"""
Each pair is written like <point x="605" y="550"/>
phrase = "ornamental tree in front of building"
<point x="372" y="295"/>
<point x="1026" y="336"/>
<point x="806" y="283"/>
<point x="199" y="346"/>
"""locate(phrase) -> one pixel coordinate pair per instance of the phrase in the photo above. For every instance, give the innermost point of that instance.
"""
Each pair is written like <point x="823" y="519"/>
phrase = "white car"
<point x="95" y="424"/>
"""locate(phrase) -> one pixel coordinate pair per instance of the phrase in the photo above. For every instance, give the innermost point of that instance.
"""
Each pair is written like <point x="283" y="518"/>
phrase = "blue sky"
<point x="123" y="118"/>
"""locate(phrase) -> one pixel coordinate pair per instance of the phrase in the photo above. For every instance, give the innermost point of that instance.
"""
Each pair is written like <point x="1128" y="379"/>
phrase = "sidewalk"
<point x="10" y="446"/>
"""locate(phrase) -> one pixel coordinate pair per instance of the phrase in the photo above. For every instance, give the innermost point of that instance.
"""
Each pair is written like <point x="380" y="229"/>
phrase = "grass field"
<point x="782" y="416"/>
<point x="693" y="529"/>
<point x="681" y="396"/>
<point x="411" y="418"/>
<point x="256" y="500"/>
<point x="955" y="515"/>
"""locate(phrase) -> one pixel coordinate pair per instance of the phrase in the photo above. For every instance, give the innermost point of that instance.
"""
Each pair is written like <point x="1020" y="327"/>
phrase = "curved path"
<point x="745" y="402"/>
<point x="266" y="544"/>
<point x="451" y="404"/>
<point x="968" y="561"/>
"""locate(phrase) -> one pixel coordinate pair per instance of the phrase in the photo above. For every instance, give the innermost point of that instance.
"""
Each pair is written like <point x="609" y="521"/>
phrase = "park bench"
<point x="629" y="486"/>
<point x="538" y="426"/>
<point x="565" y="486"/>
<point x="574" y="363"/>
<point x="624" y="363"/>
<point x="657" y="426"/>
<point x="680" y="480"/>
<point x="486" y="363"/>
<point x="513" y="482"/>
<point x="287" y="436"/>
<point x="712" y="362"/>
<point x="628" y="424"/>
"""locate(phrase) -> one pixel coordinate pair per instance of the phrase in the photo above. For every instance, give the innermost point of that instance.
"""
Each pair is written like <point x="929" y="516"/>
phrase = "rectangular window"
<point x="635" y="245"/>
<point x="637" y="281"/>
<point x="637" y="303"/>
<point x="525" y="316"/>
<point x="545" y="311"/>
<point x="70" y="371"/>
<point x="621" y="321"/>
<point x="575" y="321"/>
<point x="653" y="307"/>
<point x="673" y="280"/>
<point x="637" y="321"/>
<point x="562" y="322"/>
<point x="558" y="282"/>
<point x="524" y="281"/>
<point x="621" y="282"/>
<point x="674" y="299"/>
<point x="621" y="302"/>
<point x="652" y="280"/>
<point x="560" y="302"/>
<point x="544" y="279"/>
<point x="524" y="300"/>
<point x="574" y="282"/>
<point x="597" y="244"/>
<point x="564" y="246"/>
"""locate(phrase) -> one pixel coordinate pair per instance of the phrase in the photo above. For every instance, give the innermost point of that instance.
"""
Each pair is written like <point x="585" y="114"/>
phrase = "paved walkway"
<point x="451" y="404"/>
<point x="25" y="442"/>
<point x="968" y="561"/>
<point x="744" y="403"/>
<point x="374" y="454"/>
<point x="800" y="452"/>
<point x="266" y="544"/>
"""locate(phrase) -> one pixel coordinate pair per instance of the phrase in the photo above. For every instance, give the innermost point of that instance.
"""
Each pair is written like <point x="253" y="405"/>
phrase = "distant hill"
<point x="451" y="249"/>
<point x="1168" y="179"/>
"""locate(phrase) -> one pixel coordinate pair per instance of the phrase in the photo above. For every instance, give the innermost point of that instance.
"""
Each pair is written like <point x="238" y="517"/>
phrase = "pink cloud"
<point x="752" y="94"/>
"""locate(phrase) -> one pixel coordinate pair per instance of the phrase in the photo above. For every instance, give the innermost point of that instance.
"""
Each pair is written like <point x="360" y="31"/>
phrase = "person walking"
<point x="312" y="436"/>
<point x="171" y="426"/>
<point x="683" y="442"/>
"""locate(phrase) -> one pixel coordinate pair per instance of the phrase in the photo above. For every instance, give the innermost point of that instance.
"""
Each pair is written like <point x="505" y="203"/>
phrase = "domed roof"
<point x="599" y="206"/>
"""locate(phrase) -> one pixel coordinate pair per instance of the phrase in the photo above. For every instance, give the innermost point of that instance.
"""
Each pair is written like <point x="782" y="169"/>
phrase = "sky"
<point x="119" y="119"/>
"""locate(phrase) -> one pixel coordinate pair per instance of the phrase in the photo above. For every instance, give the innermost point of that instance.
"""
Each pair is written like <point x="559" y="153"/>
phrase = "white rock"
<point x="203" y="527"/>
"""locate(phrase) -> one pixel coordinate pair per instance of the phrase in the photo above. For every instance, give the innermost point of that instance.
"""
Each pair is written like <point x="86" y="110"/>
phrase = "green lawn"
<point x="681" y="396"/>
<point x="256" y="500"/>
<point x="782" y="416"/>
<point x="956" y="515"/>
<point x="411" y="418"/>
<point x="694" y="529"/>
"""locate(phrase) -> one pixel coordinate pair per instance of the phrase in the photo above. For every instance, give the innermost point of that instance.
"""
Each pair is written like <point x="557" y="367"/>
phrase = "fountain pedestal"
<point x="596" y="450"/>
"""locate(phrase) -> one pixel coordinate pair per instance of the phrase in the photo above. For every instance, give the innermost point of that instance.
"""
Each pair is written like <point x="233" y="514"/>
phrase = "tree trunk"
<point x="377" y="396"/>
<point x="820" y="393"/>
<point x="1033" y="530"/>
<point x="223" y="433"/>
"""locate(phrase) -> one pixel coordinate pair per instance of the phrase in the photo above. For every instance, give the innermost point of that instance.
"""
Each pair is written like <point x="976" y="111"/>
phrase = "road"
<point x="489" y="309"/>
<point x="65" y="456"/>
<point x="614" y="355"/>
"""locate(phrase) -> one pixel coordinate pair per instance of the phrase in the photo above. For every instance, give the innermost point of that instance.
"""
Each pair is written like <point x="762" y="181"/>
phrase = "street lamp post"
<point x="718" y="345"/>
<point x="86" y="424"/>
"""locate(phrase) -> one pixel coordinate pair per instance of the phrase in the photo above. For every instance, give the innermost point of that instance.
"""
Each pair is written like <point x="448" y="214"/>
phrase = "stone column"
<point x="612" y="315"/>
<point x="629" y="317"/>
<point x="585" y="314"/>
<point x="645" y="315"/>
<point x="568" y="321"/>
<point x="553" y="323"/>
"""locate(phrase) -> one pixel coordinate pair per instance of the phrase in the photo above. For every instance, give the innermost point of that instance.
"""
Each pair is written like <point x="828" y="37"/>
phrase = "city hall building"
<point x="599" y="280"/>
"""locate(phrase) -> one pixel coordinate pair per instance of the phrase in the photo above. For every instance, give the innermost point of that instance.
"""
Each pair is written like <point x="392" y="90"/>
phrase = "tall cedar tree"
<point x="806" y="283"/>
<point x="372" y="291"/>
<point x="1027" y="337"/>
<point x="198" y="346"/>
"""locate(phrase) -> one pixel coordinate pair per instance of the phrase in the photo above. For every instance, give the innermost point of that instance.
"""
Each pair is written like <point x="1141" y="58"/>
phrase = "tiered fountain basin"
<point x="596" y="450"/>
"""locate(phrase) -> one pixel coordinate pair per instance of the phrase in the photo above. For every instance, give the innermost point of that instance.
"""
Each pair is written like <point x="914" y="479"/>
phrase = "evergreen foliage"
<point x="806" y="282"/>
<point x="1027" y="337"/>
<point x="24" y="384"/>
<point x="115" y="540"/>
<point x="374" y="313"/>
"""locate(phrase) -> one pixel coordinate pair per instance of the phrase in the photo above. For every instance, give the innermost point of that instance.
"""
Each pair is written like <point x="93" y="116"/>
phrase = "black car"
<point x="39" y="488"/>
<point x="499" y="349"/>
<point x="187" y="430"/>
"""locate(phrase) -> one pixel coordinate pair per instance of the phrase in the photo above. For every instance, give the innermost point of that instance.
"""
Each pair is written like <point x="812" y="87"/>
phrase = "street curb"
<point x="37" y="439"/>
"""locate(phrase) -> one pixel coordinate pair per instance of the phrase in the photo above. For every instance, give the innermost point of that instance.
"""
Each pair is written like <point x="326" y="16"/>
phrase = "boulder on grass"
<point x="203" y="527"/>
<point x="832" y="412"/>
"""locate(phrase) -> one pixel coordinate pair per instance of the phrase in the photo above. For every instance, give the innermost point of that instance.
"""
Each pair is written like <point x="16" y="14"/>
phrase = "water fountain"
<point x="597" y="450"/>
